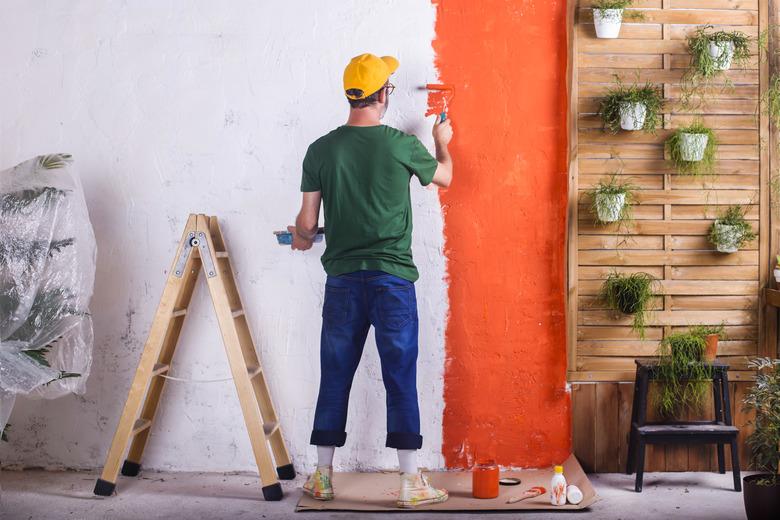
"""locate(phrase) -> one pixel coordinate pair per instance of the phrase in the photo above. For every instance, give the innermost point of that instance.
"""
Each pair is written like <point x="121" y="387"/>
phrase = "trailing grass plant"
<point x="763" y="398"/>
<point x="705" y="330"/>
<point x="732" y="216"/>
<point x="683" y="378"/>
<point x="702" y="62"/>
<point x="674" y="147"/>
<point x="631" y="295"/>
<point x="704" y="68"/>
<point x="770" y="100"/>
<point x="603" y="5"/>
<point x="621" y="95"/>
<point x="600" y="204"/>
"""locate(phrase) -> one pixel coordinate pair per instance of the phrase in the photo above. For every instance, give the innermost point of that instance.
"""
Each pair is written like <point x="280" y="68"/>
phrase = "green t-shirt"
<point x="363" y="174"/>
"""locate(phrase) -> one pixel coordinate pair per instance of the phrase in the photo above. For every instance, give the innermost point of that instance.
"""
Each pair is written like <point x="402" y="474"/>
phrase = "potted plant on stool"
<point x="730" y="231"/>
<point x="631" y="108"/>
<point x="762" y="491"/>
<point x="608" y="16"/>
<point x="711" y="335"/>
<point x="631" y="295"/>
<point x="692" y="149"/>
<point x="684" y="379"/>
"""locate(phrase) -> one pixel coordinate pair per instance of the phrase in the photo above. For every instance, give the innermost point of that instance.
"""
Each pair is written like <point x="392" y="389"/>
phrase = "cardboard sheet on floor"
<point x="378" y="491"/>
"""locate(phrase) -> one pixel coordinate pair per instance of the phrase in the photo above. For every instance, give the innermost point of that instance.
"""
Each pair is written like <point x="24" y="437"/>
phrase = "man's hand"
<point x="442" y="132"/>
<point x="299" y="243"/>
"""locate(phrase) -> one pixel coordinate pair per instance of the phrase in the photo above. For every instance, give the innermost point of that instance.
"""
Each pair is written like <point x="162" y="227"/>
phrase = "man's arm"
<point x="306" y="223"/>
<point x="442" y="135"/>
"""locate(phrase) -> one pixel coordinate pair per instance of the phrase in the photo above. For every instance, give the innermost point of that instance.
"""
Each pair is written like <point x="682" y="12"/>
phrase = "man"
<point x="361" y="172"/>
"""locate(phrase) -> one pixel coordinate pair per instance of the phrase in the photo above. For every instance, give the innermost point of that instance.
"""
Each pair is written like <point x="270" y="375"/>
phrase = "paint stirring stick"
<point x="531" y="493"/>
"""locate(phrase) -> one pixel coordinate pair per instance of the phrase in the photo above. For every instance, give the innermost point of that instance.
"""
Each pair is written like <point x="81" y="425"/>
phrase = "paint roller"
<point x="446" y="93"/>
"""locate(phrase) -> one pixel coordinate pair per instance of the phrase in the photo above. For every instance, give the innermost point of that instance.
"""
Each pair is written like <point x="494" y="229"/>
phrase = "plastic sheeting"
<point x="47" y="273"/>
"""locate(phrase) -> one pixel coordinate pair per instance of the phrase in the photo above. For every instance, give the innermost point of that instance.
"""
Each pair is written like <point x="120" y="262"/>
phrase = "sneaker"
<point x="417" y="491"/>
<point x="319" y="485"/>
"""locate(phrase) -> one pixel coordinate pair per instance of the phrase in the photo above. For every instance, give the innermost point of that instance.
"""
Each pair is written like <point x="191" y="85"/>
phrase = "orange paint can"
<point x="484" y="480"/>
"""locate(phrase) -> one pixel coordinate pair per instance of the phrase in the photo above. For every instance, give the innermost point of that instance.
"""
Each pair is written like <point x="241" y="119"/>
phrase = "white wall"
<point x="171" y="107"/>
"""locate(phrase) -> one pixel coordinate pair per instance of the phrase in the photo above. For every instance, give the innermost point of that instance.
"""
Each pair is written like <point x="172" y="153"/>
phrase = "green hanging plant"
<point x="692" y="149"/>
<point x="712" y="52"/>
<point x="683" y="378"/>
<point x="731" y="231"/>
<point x="763" y="398"/>
<point x="611" y="201"/>
<point x="631" y="295"/>
<point x="770" y="100"/>
<point x="631" y="107"/>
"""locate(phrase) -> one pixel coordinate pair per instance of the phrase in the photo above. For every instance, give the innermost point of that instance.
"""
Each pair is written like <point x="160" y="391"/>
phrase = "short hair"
<point x="367" y="101"/>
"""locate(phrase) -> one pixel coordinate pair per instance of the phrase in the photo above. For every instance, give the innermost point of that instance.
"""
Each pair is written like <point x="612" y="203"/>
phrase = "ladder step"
<point x="140" y="425"/>
<point x="160" y="368"/>
<point x="238" y="312"/>
<point x="254" y="371"/>
<point x="178" y="312"/>
<point x="270" y="428"/>
<point x="222" y="254"/>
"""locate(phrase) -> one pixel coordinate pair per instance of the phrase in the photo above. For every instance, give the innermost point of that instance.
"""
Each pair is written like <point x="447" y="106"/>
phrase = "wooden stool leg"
<point x="632" y="436"/>
<point x="640" y="465"/>
<point x="721" y="459"/>
<point x="735" y="465"/>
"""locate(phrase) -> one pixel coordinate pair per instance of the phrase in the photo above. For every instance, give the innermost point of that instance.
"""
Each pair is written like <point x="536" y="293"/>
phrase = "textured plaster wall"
<point x="172" y="107"/>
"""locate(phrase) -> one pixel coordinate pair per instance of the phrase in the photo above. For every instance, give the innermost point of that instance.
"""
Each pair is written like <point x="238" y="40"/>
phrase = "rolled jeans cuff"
<point x="328" y="438"/>
<point x="404" y="441"/>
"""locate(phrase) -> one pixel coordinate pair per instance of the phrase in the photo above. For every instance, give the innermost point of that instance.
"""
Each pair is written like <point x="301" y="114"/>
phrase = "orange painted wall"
<point x="505" y="222"/>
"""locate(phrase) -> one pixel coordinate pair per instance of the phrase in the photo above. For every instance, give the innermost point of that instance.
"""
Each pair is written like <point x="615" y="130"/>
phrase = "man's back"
<point x="363" y="173"/>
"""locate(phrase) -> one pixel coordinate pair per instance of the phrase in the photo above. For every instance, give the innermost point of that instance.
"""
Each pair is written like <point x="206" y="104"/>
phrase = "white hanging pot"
<point x="692" y="146"/>
<point x="777" y="274"/>
<point x="609" y="206"/>
<point x="721" y="54"/>
<point x="727" y="238"/>
<point x="632" y="116"/>
<point x="607" y="22"/>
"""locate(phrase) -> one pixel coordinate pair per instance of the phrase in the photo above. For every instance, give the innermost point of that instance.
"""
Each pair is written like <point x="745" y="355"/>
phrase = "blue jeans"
<point x="353" y="302"/>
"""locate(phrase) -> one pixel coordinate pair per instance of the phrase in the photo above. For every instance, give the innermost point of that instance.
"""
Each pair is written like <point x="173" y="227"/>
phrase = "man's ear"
<point x="382" y="96"/>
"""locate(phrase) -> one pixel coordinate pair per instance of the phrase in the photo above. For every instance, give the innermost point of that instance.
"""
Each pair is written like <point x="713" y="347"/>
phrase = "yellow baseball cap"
<point x="365" y="74"/>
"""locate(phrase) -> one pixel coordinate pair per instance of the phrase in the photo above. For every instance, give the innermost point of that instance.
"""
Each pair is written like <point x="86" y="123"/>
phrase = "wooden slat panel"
<point x="668" y="237"/>
<point x="607" y="75"/>
<point x="680" y="318"/>
<point x="629" y="31"/>
<point x="689" y="16"/>
<point x="666" y="258"/>
<point x="687" y="287"/>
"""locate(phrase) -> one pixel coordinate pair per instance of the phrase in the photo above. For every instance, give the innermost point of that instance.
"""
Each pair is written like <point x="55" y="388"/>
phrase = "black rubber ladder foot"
<point x="104" y="488"/>
<point x="273" y="493"/>
<point x="286" y="472"/>
<point x="131" y="469"/>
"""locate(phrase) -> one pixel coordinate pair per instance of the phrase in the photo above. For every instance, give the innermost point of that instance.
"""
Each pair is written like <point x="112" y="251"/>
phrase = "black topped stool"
<point x="720" y="431"/>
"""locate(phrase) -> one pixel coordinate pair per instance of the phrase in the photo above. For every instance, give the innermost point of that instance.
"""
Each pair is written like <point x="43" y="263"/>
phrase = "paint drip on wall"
<point x="505" y="223"/>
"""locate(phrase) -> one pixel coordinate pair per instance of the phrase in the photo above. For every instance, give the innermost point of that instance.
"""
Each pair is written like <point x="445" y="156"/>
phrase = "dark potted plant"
<point x="630" y="294"/>
<point x="683" y="378"/>
<point x="762" y="491"/>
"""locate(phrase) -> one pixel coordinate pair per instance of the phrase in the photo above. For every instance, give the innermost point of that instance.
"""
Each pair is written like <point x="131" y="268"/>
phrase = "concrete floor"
<point x="32" y="495"/>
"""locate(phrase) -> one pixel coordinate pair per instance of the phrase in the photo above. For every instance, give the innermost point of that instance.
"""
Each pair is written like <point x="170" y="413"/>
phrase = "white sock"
<point x="407" y="461"/>
<point x="325" y="455"/>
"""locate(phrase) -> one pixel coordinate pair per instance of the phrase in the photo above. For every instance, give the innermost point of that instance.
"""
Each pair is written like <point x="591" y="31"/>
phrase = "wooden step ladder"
<point x="201" y="247"/>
